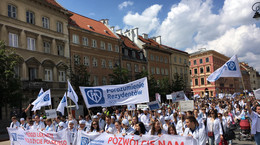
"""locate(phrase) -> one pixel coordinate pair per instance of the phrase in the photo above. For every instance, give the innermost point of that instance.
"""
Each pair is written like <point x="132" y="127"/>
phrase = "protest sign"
<point x="154" y="105"/>
<point x="142" y="106"/>
<point x="257" y="94"/>
<point x="186" y="105"/>
<point x="169" y="97"/>
<point x="51" y="113"/>
<point x="84" y="138"/>
<point x="178" y="96"/>
<point x="36" y="137"/>
<point x="131" y="107"/>
<point x="158" y="97"/>
<point x="114" y="95"/>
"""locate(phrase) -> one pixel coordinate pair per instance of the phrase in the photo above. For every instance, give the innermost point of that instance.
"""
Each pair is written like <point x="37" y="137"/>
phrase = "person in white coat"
<point x="214" y="128"/>
<point x="195" y="130"/>
<point x="14" y="123"/>
<point x="255" y="126"/>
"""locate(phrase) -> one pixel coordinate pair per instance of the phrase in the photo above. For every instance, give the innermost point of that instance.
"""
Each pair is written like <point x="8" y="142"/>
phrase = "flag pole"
<point x="50" y="107"/>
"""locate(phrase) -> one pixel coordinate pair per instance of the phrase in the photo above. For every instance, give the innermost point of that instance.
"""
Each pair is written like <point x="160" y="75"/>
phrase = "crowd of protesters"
<point x="207" y="123"/>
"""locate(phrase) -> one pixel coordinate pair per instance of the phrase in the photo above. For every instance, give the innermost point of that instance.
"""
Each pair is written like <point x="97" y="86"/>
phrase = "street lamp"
<point x="256" y="8"/>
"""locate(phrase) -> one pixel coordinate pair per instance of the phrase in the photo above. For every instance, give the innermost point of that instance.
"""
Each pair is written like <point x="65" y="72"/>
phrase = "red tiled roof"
<point x="90" y="24"/>
<point x="150" y="42"/>
<point x="129" y="43"/>
<point x="53" y="2"/>
<point x="175" y="49"/>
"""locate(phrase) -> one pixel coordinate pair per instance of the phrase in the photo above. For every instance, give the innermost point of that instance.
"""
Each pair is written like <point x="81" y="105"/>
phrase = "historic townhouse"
<point x="94" y="45"/>
<point x="37" y="30"/>
<point x="132" y="58"/>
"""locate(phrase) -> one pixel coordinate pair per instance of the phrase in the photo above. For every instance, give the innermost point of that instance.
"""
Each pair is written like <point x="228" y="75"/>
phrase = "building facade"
<point x="252" y="76"/>
<point x="37" y="30"/>
<point x="202" y="64"/>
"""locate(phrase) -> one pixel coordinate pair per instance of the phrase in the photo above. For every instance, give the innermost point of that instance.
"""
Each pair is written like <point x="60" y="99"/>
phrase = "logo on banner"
<point x="14" y="136"/>
<point x="46" y="98"/>
<point x="63" y="100"/>
<point x="231" y="66"/>
<point x="95" y="96"/>
<point x="84" y="141"/>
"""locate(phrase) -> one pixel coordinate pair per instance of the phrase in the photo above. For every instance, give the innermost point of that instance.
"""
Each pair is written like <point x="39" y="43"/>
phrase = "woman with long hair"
<point x="140" y="129"/>
<point x="172" y="130"/>
<point x="94" y="127"/>
<point x="134" y="121"/>
<point x="214" y="128"/>
<point x="156" y="128"/>
<point x="118" y="128"/>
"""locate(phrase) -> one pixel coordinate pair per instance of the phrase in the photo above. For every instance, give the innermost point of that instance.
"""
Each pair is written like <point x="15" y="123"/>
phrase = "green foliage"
<point x="119" y="76"/>
<point x="178" y="83"/>
<point x="10" y="84"/>
<point x="141" y="74"/>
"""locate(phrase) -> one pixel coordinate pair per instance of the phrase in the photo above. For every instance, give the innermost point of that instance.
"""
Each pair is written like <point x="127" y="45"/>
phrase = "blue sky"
<point x="226" y="26"/>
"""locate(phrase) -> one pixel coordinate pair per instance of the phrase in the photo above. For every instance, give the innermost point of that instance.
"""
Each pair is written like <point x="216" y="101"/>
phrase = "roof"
<point x="175" y="49"/>
<point x="150" y="42"/>
<point x="53" y="2"/>
<point x="90" y="25"/>
<point x="129" y="43"/>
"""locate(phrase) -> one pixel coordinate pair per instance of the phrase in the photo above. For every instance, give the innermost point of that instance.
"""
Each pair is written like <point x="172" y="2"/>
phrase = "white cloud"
<point x="146" y="22"/>
<point x="125" y="4"/>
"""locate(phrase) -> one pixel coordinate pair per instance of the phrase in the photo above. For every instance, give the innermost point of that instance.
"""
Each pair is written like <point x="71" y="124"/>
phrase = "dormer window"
<point x="90" y="27"/>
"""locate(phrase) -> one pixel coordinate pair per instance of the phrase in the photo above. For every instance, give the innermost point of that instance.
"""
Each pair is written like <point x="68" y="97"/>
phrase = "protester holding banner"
<point x="127" y="129"/>
<point x="172" y="130"/>
<point x="156" y="128"/>
<point x="72" y="132"/>
<point x="94" y="127"/>
<point x="14" y="123"/>
<point x="140" y="129"/>
<point x="38" y="124"/>
<point x="49" y="125"/>
<point x="109" y="127"/>
<point x="118" y="128"/>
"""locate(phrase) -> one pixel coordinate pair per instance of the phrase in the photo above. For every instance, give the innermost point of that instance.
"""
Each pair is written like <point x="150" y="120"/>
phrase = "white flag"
<point x="44" y="100"/>
<point x="158" y="97"/>
<point x="63" y="104"/>
<point x="72" y="95"/>
<point x="40" y="93"/>
<point x="229" y="69"/>
<point x="257" y="94"/>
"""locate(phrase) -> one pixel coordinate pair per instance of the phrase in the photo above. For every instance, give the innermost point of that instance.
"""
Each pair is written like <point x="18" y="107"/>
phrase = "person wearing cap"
<point x="61" y="126"/>
<point x="73" y="132"/>
<point x="14" y="123"/>
<point x="49" y="125"/>
<point x="82" y="125"/>
<point x="181" y="124"/>
<point x="38" y="124"/>
<point x="109" y="127"/>
<point x="145" y="118"/>
<point x="23" y="124"/>
<point x="167" y="123"/>
<point x="101" y="121"/>
<point x="127" y="129"/>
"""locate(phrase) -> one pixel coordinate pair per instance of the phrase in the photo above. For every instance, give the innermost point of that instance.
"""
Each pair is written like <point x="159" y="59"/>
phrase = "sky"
<point x="225" y="26"/>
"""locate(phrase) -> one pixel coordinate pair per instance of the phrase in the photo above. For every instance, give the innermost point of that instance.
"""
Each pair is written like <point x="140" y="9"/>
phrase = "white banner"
<point x="84" y="138"/>
<point x="142" y="106"/>
<point x="113" y="95"/>
<point x="178" y="96"/>
<point x="169" y="97"/>
<point x="257" y="94"/>
<point x="186" y="105"/>
<point x="131" y="107"/>
<point x="35" y="137"/>
<point x="51" y="113"/>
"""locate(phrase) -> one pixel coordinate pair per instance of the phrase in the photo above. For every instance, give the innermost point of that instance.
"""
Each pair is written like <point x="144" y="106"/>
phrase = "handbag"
<point x="229" y="135"/>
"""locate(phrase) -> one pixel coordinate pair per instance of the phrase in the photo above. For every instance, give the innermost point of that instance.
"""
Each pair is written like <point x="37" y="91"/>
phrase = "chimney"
<point x="135" y="35"/>
<point x="119" y="31"/>
<point x="104" y="21"/>
<point x="158" y="39"/>
<point x="112" y="28"/>
<point x="145" y="36"/>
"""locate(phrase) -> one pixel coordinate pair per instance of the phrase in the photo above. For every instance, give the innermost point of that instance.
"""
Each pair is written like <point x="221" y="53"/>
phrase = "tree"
<point x="119" y="75"/>
<point x="141" y="74"/>
<point x="178" y="83"/>
<point x="10" y="84"/>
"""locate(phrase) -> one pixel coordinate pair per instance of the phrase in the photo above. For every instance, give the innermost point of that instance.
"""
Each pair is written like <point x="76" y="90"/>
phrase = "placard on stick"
<point x="154" y="105"/>
<point x="51" y="113"/>
<point x="186" y="105"/>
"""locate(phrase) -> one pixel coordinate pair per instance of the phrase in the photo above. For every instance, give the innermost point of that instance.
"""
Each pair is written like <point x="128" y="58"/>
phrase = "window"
<point x="103" y="63"/>
<point x="45" y="23"/>
<point x="62" y="76"/>
<point x="166" y="71"/>
<point x="94" y="43"/>
<point x="48" y="74"/>
<point x="196" y="82"/>
<point x="201" y="61"/>
<point x="12" y="12"/>
<point x="201" y="70"/>
<point x="60" y="50"/>
<point x="162" y="71"/>
<point x="32" y="73"/>
<point x="116" y="48"/>
<point x="95" y="80"/>
<point x="152" y="70"/>
<point x="141" y="56"/>
<point x="207" y="59"/>
<point x="133" y="54"/>
<point x="85" y="41"/>
<point x="165" y="60"/>
<point x="30" y="18"/>
<point x="110" y="64"/>
<point x="185" y="61"/>
<point x="208" y="69"/>
<point x="47" y="47"/>
<point x="102" y="45"/>
<point x="136" y="68"/>
<point x="86" y="61"/>
<point x="175" y="59"/>
<point x="161" y="59"/>
<point x="157" y="70"/>
<point x="31" y="43"/>
<point x="194" y="62"/>
<point x="13" y="40"/>
<point x="180" y="60"/>
<point x="202" y="81"/>
<point x="75" y="39"/>
<point x="94" y="62"/>
<point x="76" y="59"/>
<point x="151" y="57"/>
<point x="109" y="47"/>
<point x="128" y="65"/>
<point x="157" y="58"/>
<point x="126" y="52"/>
<point x="143" y="68"/>
<point x="195" y="71"/>
<point x="104" y="80"/>
<point x="59" y="27"/>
